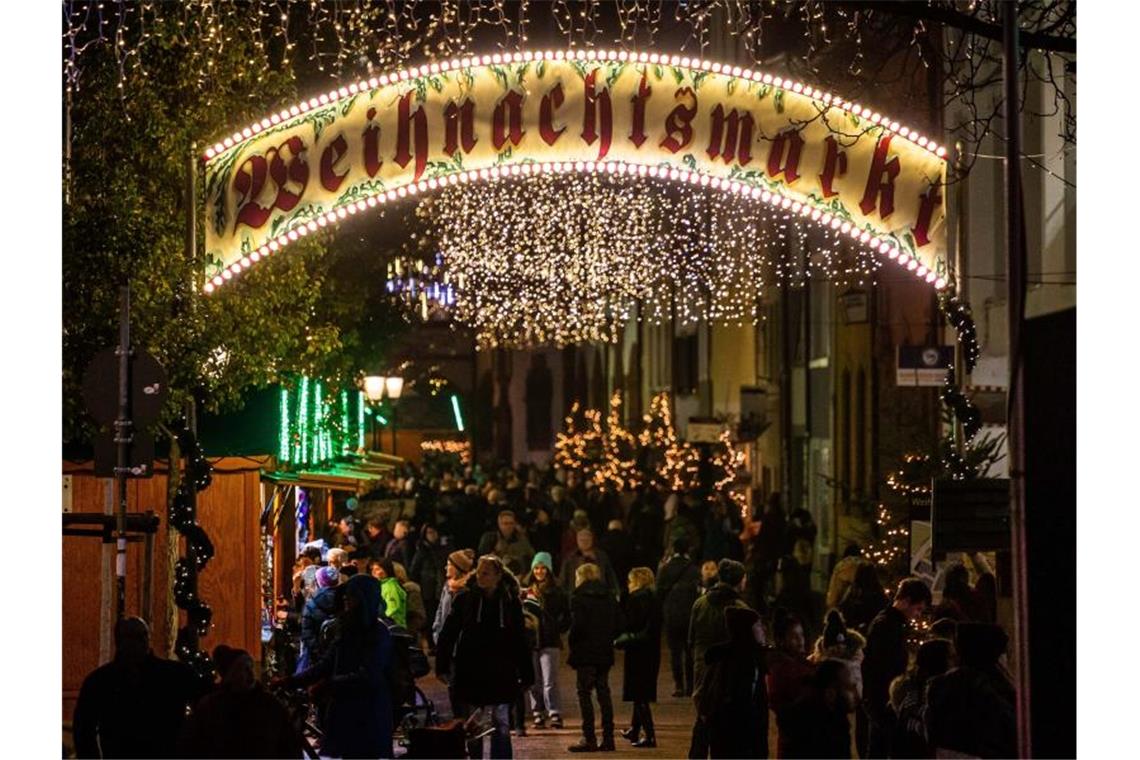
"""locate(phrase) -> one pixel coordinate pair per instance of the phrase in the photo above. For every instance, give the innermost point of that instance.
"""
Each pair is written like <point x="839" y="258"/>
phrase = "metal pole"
<point x="191" y="233"/>
<point x="1015" y="281"/>
<point x="123" y="447"/>
<point x="148" y="573"/>
<point x="393" y="427"/>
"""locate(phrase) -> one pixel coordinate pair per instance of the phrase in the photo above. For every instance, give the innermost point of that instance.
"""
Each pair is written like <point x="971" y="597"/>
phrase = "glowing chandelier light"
<point x="423" y="286"/>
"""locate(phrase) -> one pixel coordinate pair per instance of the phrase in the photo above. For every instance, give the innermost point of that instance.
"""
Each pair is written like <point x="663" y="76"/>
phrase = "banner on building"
<point x="316" y="162"/>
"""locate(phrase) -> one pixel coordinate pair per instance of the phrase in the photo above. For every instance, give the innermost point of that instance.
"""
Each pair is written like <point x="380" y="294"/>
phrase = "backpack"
<point x="531" y="626"/>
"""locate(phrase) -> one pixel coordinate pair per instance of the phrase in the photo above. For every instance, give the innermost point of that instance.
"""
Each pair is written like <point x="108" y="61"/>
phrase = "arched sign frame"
<point x="834" y="163"/>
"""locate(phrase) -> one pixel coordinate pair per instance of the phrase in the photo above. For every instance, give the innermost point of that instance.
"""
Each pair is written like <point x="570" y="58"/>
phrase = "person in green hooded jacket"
<point x="393" y="594"/>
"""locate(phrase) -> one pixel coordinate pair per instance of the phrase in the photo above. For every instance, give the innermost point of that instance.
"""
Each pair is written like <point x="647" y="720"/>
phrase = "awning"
<point x="357" y="475"/>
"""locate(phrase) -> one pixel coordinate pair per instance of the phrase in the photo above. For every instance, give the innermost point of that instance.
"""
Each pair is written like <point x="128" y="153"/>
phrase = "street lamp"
<point x="395" y="386"/>
<point x="374" y="386"/>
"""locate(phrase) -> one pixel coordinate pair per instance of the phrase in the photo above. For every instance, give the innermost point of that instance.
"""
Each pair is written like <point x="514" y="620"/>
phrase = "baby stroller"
<point x="412" y="707"/>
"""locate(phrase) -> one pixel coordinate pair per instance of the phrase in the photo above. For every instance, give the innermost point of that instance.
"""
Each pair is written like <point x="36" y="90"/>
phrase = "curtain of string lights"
<point x="559" y="259"/>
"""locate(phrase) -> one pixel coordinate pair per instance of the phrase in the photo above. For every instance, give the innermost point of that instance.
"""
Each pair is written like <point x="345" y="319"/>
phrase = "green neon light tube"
<point x="458" y="416"/>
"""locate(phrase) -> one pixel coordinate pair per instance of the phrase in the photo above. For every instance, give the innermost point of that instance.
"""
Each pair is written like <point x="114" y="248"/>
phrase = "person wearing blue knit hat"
<point x="545" y="600"/>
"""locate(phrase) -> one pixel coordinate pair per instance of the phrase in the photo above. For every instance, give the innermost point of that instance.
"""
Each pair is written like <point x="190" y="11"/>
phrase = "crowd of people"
<point x="502" y="577"/>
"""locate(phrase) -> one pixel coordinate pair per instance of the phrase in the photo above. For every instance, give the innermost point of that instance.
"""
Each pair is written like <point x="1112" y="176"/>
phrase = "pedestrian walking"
<point x="428" y="570"/>
<point x="971" y="709"/>
<point x="357" y="673"/>
<point x="588" y="553"/>
<point x="788" y="671"/>
<point x="840" y="642"/>
<point x="395" y="598"/>
<point x="508" y="542"/>
<point x="595" y="621"/>
<point x="677" y="583"/>
<point x="707" y="628"/>
<point x="483" y="651"/>
<point x="885" y="658"/>
<point x="239" y="718"/>
<point x="133" y="706"/>
<point x="320" y="608"/>
<point x="864" y="599"/>
<point x="731" y="699"/>
<point x="817" y="724"/>
<point x="641" y="642"/>
<point x="908" y="699"/>
<point x="546" y="600"/>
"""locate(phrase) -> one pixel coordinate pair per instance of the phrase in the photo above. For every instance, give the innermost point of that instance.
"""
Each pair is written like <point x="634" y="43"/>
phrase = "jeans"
<point x="545" y="682"/>
<point x="682" y="658"/>
<point x="594" y="678"/>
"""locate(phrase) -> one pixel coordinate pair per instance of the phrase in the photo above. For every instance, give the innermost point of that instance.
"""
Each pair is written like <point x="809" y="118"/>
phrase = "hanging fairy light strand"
<point x="559" y="259"/>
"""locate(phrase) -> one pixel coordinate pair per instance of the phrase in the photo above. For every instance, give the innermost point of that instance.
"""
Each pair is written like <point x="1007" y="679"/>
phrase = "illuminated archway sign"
<point x="835" y="163"/>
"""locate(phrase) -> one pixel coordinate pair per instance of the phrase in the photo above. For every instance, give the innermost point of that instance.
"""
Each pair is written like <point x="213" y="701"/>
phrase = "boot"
<point x="630" y="734"/>
<point x="585" y="745"/>
<point x="556" y="721"/>
<point x="649" y="741"/>
<point x="607" y="744"/>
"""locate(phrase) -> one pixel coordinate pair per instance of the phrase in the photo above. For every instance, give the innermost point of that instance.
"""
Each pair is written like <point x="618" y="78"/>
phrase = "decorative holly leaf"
<point x="520" y="73"/>
<point x="504" y="155"/>
<point x="855" y="120"/>
<point x="580" y="68"/>
<point x="421" y="90"/>
<point x="763" y="91"/>
<point x="689" y="161"/>
<point x="658" y="71"/>
<point x="731" y="86"/>
<point x="320" y="120"/>
<point x="501" y="75"/>
<point x="540" y="69"/>
<point x="347" y="105"/>
<point x="779" y="101"/>
<point x="437" y="82"/>
<point x="615" y="72"/>
<point x="678" y="74"/>
<point x="698" y="79"/>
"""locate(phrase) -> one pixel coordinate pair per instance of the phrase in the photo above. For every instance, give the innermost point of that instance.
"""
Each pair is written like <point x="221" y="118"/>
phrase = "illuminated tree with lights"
<point x="618" y="470"/>
<point x="672" y="463"/>
<point x="726" y="462"/>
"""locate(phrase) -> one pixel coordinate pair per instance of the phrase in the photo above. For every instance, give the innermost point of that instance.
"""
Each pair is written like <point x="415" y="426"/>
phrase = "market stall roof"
<point x="357" y="474"/>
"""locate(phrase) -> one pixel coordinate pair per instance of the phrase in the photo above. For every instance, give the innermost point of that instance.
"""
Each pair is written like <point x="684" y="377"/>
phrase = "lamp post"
<point x="374" y="386"/>
<point x="395" y="386"/>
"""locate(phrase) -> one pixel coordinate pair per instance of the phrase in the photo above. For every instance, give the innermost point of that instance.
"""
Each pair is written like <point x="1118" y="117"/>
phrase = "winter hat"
<point x="834" y="629"/>
<point x="464" y="560"/>
<point x="327" y="577"/>
<point x="543" y="558"/>
<point x="980" y="645"/>
<point x="730" y="571"/>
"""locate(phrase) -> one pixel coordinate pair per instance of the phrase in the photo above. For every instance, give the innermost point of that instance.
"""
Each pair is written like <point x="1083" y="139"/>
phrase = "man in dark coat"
<point x="428" y="570"/>
<point x="595" y="621"/>
<point x="134" y="705"/>
<point x="618" y="546"/>
<point x="641" y="642"/>
<point x="971" y="709"/>
<point x="817" y="725"/>
<point x="885" y="658"/>
<point x="588" y="553"/>
<point x="485" y="639"/>
<point x="357" y="671"/>
<point x="707" y="628"/>
<point x="240" y="718"/>
<point x="732" y="700"/>
<point x="677" y="583"/>
<point x="378" y="536"/>
<point x="509" y="543"/>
